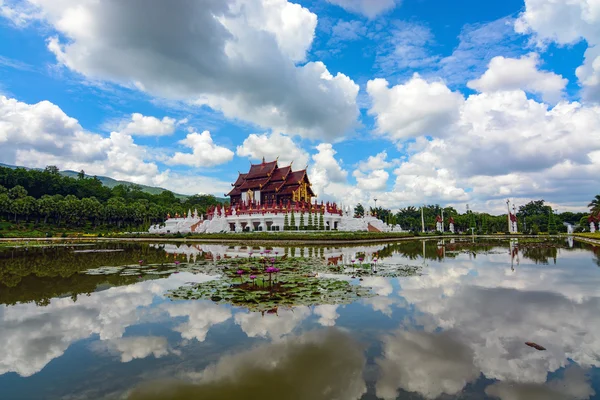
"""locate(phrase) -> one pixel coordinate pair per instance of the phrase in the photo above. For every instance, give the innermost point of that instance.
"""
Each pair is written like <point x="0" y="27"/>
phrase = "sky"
<point x="408" y="102"/>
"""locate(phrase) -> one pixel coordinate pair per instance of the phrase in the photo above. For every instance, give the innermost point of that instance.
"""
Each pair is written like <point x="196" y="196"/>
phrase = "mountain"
<point x="110" y="182"/>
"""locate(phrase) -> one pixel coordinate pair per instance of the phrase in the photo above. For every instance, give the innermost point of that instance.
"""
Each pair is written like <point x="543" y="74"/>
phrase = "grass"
<point x="589" y="235"/>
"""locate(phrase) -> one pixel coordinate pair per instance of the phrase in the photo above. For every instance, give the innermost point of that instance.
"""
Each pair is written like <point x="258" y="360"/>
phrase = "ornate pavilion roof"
<point x="268" y="177"/>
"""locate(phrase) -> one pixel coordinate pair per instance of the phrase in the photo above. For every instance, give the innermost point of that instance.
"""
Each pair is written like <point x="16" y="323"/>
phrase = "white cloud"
<point x="37" y="135"/>
<point x="272" y="146"/>
<point x="326" y="170"/>
<point x="241" y="57"/>
<point x="142" y="125"/>
<point x="369" y="8"/>
<point x="478" y="44"/>
<point x="520" y="74"/>
<point x="205" y="153"/>
<point x="567" y="22"/>
<point x="414" y="108"/>
<point x="500" y="144"/>
<point x="405" y="49"/>
<point x="378" y="161"/>
<point x="347" y="31"/>
<point x="374" y="180"/>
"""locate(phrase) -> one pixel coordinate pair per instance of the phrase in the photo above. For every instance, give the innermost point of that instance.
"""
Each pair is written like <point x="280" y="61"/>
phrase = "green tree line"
<point x="533" y="217"/>
<point x="47" y="197"/>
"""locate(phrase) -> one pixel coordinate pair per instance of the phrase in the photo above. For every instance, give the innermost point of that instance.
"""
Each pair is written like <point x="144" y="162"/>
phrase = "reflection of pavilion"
<point x="333" y="255"/>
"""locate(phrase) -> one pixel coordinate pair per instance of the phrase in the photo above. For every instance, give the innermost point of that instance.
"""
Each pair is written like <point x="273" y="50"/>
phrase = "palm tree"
<point x="595" y="205"/>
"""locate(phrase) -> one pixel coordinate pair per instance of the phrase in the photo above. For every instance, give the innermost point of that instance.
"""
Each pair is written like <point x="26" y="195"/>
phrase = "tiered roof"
<point x="268" y="177"/>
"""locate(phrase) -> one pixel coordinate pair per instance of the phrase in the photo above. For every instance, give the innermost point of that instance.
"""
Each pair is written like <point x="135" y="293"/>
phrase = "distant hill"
<point x="110" y="182"/>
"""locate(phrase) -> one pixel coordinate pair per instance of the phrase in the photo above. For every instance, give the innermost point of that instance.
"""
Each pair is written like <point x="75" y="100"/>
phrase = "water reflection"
<point x="457" y="330"/>
<point x="318" y="365"/>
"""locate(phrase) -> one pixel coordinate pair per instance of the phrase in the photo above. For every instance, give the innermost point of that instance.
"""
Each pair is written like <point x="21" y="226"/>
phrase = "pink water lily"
<point x="177" y="263"/>
<point x="240" y="272"/>
<point x="253" y="277"/>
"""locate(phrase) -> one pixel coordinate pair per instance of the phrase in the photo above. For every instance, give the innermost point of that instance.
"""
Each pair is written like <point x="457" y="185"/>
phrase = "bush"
<point x="64" y="235"/>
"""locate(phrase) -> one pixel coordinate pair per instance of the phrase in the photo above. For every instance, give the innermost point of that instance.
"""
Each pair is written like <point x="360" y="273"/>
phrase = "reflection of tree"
<point x="540" y="254"/>
<point x="31" y="275"/>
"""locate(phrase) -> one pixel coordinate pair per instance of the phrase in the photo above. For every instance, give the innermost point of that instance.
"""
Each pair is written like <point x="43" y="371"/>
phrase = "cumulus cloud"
<point x="368" y="8"/>
<point x="327" y="172"/>
<point x="142" y="125"/>
<point x="271" y="146"/>
<point x="378" y="161"/>
<point x="205" y="153"/>
<point x="520" y="74"/>
<point x="415" y="108"/>
<point x="244" y="58"/>
<point x="567" y="22"/>
<point x="491" y="145"/>
<point x="374" y="180"/>
<point x="37" y="135"/>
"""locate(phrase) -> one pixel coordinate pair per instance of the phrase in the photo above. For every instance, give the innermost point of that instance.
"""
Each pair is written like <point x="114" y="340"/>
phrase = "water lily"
<point x="240" y="272"/>
<point x="272" y="260"/>
<point x="177" y="262"/>
<point x="267" y="251"/>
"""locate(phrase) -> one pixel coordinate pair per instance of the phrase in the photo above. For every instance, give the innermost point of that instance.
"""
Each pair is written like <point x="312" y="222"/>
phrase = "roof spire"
<point x="263" y="159"/>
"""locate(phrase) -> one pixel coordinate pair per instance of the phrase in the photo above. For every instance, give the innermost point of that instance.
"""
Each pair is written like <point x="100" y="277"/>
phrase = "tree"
<point x="286" y="223"/>
<point x="321" y="222"/>
<point x="81" y="174"/>
<point x="302" y="227"/>
<point x="595" y="205"/>
<point x="293" y="222"/>
<point x="551" y="223"/>
<point x="310" y="220"/>
<point x="46" y="207"/>
<point x="17" y="192"/>
<point x="359" y="211"/>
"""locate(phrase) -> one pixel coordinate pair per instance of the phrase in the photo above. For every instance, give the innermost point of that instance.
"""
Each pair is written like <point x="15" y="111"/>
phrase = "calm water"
<point x="458" y="330"/>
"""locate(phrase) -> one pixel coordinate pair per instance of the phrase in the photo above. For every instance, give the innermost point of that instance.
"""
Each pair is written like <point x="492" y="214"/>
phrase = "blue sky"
<point x="419" y="101"/>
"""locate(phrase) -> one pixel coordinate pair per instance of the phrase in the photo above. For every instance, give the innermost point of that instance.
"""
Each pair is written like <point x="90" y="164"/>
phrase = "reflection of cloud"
<point x="32" y="336"/>
<point x="427" y="363"/>
<point x="328" y="314"/>
<point x="528" y="306"/>
<point x="134" y="347"/>
<point x="271" y="325"/>
<point x="380" y="303"/>
<point x="202" y="315"/>
<point x="381" y="286"/>
<point x="319" y="365"/>
<point x="573" y="386"/>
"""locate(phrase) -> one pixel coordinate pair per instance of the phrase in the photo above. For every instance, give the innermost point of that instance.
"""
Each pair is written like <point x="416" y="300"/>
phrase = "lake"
<point x="411" y="320"/>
